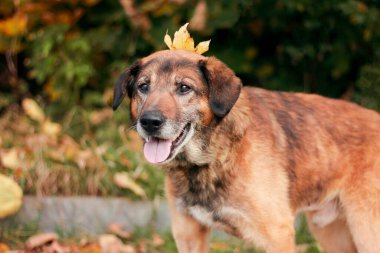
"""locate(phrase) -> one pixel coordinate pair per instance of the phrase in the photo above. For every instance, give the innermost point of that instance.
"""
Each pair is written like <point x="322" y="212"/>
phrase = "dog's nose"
<point x="152" y="121"/>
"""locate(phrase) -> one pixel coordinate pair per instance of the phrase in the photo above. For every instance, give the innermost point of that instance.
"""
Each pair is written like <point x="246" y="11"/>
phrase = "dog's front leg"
<point x="190" y="236"/>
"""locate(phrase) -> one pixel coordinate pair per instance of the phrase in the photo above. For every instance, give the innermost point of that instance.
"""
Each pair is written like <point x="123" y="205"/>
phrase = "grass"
<point x="148" y="240"/>
<point x="81" y="159"/>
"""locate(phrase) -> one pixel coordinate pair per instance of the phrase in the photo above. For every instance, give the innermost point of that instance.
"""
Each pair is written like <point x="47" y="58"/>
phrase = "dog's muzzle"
<point x="152" y="121"/>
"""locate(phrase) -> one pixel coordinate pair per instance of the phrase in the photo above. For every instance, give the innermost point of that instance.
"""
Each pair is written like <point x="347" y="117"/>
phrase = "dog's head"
<point x="172" y="94"/>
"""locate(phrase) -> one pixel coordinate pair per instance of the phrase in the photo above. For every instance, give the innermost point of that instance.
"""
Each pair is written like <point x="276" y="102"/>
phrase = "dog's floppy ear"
<point x="125" y="84"/>
<point x="224" y="85"/>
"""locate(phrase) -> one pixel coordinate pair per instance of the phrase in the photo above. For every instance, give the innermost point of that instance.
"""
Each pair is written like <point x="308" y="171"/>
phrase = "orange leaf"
<point x="39" y="240"/>
<point x="119" y="231"/>
<point x="4" y="248"/>
<point x="10" y="159"/>
<point x="14" y="26"/>
<point x="183" y="40"/>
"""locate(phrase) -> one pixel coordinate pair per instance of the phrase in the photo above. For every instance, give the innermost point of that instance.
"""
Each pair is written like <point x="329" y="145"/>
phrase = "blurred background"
<point x="59" y="59"/>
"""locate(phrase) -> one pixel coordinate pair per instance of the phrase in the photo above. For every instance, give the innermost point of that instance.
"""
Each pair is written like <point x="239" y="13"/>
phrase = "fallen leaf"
<point x="15" y="25"/>
<point x="110" y="243"/>
<point x="58" y="248"/>
<point x="123" y="180"/>
<point x="10" y="159"/>
<point x="127" y="249"/>
<point x="157" y="240"/>
<point x="90" y="248"/>
<point x="119" y="231"/>
<point x="70" y="148"/>
<point x="40" y="240"/>
<point x="4" y="248"/>
<point x="10" y="196"/>
<point x="33" y="110"/>
<point x="50" y="128"/>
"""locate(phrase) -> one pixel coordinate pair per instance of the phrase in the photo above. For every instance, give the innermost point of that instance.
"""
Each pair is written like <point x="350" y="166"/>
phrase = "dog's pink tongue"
<point x="157" y="150"/>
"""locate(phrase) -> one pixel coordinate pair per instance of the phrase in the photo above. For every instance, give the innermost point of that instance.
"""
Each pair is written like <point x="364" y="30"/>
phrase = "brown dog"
<point x="247" y="160"/>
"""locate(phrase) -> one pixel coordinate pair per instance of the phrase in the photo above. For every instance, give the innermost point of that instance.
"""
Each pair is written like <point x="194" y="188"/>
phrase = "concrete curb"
<point x="89" y="215"/>
<point x="86" y="215"/>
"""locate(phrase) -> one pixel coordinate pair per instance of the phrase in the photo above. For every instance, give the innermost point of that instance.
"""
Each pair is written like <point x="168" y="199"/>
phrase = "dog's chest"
<point x="222" y="217"/>
<point x="201" y="214"/>
<point x="203" y="194"/>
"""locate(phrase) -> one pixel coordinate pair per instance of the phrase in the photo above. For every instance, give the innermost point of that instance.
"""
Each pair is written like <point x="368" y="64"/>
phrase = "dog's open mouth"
<point x="158" y="150"/>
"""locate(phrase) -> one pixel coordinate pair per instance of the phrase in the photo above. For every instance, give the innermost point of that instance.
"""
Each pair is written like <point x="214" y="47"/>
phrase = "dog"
<point x="247" y="160"/>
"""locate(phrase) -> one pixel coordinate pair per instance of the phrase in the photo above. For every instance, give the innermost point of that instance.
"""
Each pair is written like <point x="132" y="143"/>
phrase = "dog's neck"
<point x="197" y="171"/>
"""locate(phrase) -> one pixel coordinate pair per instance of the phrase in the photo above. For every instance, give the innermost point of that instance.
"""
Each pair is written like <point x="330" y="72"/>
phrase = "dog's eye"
<point x="143" y="88"/>
<point x="183" y="89"/>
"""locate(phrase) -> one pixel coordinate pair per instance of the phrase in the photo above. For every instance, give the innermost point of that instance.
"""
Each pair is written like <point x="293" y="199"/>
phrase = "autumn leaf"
<point x="10" y="159"/>
<point x="14" y="26"/>
<point x="39" y="240"/>
<point x="10" y="196"/>
<point x="157" y="240"/>
<point x="4" y="248"/>
<point x="50" y="128"/>
<point x="202" y="47"/>
<point x="123" y="180"/>
<point x="110" y="243"/>
<point x="33" y="110"/>
<point x="183" y="40"/>
<point x="119" y="231"/>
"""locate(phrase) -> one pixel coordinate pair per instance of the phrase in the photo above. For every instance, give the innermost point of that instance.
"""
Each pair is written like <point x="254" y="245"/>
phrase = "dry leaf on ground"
<point x="10" y="159"/>
<point x="110" y="243"/>
<point x="40" y="240"/>
<point x="50" y="128"/>
<point x="128" y="249"/>
<point x="119" y="231"/>
<point x="4" y="248"/>
<point x="55" y="247"/>
<point x="157" y="240"/>
<point x="10" y="196"/>
<point x="15" y="25"/>
<point x="33" y="110"/>
<point x="123" y="180"/>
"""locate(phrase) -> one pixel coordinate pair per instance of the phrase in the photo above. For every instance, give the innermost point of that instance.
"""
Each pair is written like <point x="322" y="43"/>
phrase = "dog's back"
<point x="331" y="152"/>
<point x="248" y="160"/>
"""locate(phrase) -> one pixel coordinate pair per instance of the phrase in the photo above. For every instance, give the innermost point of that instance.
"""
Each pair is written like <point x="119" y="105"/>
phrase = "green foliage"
<point x="63" y="65"/>
<point x="71" y="47"/>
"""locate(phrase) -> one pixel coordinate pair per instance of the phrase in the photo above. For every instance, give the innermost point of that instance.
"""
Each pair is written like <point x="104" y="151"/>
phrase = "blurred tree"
<point x="70" y="51"/>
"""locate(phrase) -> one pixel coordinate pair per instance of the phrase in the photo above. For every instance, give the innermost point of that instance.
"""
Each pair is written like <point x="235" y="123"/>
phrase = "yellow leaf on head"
<point x="183" y="40"/>
<point x="168" y="41"/>
<point x="202" y="47"/>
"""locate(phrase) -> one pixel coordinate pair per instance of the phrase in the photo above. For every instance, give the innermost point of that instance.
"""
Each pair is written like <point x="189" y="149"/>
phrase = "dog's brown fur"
<point x="257" y="158"/>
